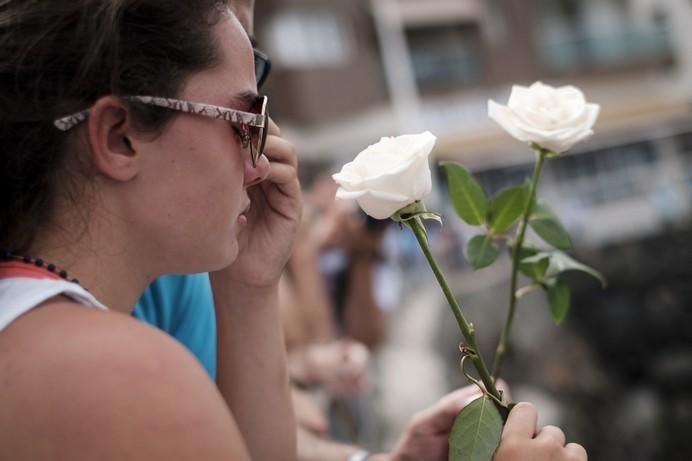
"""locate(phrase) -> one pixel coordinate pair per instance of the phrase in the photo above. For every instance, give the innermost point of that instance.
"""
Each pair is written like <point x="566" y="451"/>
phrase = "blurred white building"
<point x="347" y="73"/>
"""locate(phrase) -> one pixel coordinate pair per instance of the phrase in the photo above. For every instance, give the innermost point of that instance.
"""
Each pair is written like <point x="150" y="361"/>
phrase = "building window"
<point x="685" y="149"/>
<point x="573" y="35"/>
<point x="309" y="40"/>
<point x="445" y="57"/>
<point x="611" y="174"/>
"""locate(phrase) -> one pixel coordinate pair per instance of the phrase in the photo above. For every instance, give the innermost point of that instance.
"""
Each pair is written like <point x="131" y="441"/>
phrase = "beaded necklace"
<point x="7" y="255"/>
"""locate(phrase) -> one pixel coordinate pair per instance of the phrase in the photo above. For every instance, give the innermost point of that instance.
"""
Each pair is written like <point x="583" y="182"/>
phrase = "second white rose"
<point x="388" y="175"/>
<point x="554" y="118"/>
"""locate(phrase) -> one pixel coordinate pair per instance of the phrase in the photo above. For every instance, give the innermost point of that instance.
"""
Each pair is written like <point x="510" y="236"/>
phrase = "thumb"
<point x="439" y="417"/>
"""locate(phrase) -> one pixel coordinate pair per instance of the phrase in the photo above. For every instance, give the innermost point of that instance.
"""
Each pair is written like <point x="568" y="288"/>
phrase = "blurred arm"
<point x="364" y="319"/>
<point x="315" y="307"/>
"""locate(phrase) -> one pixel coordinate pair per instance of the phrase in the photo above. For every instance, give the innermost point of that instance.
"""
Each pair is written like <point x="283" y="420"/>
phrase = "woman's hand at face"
<point x="273" y="218"/>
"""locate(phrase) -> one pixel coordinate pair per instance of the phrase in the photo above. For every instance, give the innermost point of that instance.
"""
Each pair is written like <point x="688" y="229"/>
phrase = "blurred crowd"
<point x="340" y="286"/>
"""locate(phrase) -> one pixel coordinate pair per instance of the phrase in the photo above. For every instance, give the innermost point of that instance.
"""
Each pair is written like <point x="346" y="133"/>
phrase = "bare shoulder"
<point x="90" y="384"/>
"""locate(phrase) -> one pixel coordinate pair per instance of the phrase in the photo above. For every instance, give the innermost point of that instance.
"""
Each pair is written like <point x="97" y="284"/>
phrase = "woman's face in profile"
<point x="197" y="171"/>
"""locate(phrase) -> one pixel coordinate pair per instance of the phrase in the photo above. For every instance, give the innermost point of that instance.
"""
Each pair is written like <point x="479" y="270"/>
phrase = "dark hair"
<point x="58" y="57"/>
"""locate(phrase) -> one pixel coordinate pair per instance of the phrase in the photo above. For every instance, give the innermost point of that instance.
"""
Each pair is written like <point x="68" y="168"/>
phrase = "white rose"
<point x="389" y="175"/>
<point x="554" y="118"/>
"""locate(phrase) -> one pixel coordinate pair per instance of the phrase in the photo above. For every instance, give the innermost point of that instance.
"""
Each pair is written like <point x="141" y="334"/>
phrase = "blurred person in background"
<point x="356" y="260"/>
<point x="324" y="351"/>
<point x="318" y="353"/>
<point x="341" y="286"/>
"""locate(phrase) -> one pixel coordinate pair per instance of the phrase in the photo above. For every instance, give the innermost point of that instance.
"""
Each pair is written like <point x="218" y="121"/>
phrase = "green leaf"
<point x="559" y="300"/>
<point x="560" y="262"/>
<point x="476" y="432"/>
<point x="547" y="225"/>
<point x="533" y="263"/>
<point x="468" y="197"/>
<point x="507" y="206"/>
<point x="481" y="251"/>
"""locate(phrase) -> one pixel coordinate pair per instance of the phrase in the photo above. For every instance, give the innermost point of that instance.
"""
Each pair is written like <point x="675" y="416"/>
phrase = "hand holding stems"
<point x="522" y="441"/>
<point x="425" y="436"/>
<point x="427" y="433"/>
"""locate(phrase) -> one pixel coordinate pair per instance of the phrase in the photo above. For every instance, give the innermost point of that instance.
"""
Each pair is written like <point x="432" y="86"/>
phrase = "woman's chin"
<point x="221" y="257"/>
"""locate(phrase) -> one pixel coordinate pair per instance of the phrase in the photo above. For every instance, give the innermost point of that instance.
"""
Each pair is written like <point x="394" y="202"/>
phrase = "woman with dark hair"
<point x="131" y="136"/>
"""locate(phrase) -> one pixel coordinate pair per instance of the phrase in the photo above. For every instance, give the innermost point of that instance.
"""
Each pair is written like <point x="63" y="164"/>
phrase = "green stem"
<point x="466" y="328"/>
<point x="501" y="350"/>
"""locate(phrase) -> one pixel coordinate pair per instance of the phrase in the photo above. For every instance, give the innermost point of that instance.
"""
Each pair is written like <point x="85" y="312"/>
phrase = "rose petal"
<point x="348" y="176"/>
<point x="507" y="120"/>
<point x="593" y="110"/>
<point x="422" y="184"/>
<point x="386" y="158"/>
<point x="344" y="194"/>
<point x="519" y="97"/>
<point x="381" y="205"/>
<point x="563" y="140"/>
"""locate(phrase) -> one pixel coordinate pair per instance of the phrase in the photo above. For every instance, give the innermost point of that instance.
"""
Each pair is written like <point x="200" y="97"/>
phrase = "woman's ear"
<point x="109" y="126"/>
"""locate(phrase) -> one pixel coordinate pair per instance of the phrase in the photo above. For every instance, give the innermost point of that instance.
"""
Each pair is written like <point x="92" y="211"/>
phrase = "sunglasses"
<point x="262" y="67"/>
<point x="251" y="127"/>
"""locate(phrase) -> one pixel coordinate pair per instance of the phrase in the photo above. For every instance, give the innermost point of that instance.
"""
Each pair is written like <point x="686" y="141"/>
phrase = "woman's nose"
<point x="258" y="173"/>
